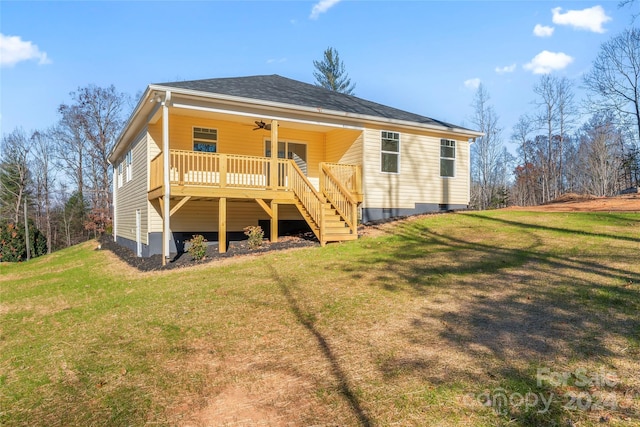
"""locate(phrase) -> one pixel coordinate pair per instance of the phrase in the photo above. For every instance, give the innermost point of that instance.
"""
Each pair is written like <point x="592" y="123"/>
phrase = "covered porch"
<point x="205" y="154"/>
<point x="330" y="211"/>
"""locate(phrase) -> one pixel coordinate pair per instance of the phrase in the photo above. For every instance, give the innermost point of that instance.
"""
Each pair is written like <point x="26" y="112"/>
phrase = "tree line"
<point x="564" y="145"/>
<point x="59" y="178"/>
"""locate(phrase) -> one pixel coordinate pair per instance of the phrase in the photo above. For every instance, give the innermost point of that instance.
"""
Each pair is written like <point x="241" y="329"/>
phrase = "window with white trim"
<point x="390" y="152"/>
<point x="120" y="168"/>
<point x="205" y="140"/>
<point x="447" y="158"/>
<point x="129" y="161"/>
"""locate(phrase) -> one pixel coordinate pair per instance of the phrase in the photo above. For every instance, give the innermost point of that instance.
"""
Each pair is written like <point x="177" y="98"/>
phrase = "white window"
<point x="120" y="166"/>
<point x="447" y="158"/>
<point x="129" y="160"/>
<point x="390" y="152"/>
<point x="205" y="140"/>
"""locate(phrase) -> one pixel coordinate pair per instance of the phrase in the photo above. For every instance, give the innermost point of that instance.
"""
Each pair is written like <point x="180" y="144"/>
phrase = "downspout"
<point x="114" y="223"/>
<point x="471" y="142"/>
<point x="167" y="184"/>
<point x="363" y="181"/>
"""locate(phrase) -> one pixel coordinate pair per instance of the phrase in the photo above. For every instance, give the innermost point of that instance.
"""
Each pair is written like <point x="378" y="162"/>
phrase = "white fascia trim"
<point x="132" y="118"/>
<point x="312" y="110"/>
<point x="264" y="116"/>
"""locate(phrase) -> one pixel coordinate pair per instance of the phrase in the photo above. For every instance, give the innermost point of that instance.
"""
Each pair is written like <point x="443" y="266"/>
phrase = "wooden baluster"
<point x="223" y="170"/>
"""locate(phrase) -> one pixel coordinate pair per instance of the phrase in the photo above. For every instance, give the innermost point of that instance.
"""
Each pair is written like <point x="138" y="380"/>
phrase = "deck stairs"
<point x="326" y="222"/>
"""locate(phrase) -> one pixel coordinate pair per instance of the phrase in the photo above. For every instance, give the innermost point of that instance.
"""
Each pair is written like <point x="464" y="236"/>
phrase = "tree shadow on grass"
<point x="443" y="254"/>
<point x="307" y="320"/>
<point x="509" y="310"/>
<point x="619" y="218"/>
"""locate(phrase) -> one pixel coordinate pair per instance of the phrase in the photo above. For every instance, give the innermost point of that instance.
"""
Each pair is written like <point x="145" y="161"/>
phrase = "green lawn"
<point x="494" y="318"/>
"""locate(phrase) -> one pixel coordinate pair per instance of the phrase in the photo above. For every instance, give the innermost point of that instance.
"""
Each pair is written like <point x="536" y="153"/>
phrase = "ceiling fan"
<point x="262" y="125"/>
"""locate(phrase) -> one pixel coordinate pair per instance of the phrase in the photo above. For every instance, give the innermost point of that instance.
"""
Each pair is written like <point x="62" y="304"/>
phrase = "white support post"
<point x="166" y="232"/>
<point x="274" y="154"/>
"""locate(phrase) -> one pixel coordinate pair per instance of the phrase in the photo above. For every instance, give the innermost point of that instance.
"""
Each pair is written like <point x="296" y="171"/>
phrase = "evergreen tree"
<point x="330" y="73"/>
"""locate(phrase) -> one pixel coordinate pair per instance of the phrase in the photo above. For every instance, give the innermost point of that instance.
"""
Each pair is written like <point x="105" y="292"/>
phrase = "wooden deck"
<point x="331" y="211"/>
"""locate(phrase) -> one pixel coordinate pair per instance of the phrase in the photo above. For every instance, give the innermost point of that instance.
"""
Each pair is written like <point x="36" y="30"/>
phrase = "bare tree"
<point x="613" y="83"/>
<point x="599" y="152"/>
<point x="487" y="150"/>
<point x="631" y="4"/>
<point x="525" y="184"/>
<point x="99" y="113"/>
<point x="573" y="165"/>
<point x="14" y="174"/>
<point x="547" y="103"/>
<point x="566" y="115"/>
<point x="71" y="147"/>
<point x="44" y="180"/>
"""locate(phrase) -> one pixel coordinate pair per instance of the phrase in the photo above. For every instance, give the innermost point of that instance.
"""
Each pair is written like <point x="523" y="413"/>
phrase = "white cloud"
<point x="590" y="19"/>
<point x="543" y="31"/>
<point x="276" y="60"/>
<point x="472" y="83"/>
<point x="13" y="50"/>
<point x="506" y="69"/>
<point x="545" y="62"/>
<point x="321" y="7"/>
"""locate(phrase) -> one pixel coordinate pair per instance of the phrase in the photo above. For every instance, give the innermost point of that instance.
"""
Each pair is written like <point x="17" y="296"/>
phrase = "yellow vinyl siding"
<point x="315" y="146"/>
<point x="203" y="215"/>
<point x="133" y="194"/>
<point x="419" y="178"/>
<point x="344" y="146"/>
<point x="239" y="138"/>
<point x="154" y="142"/>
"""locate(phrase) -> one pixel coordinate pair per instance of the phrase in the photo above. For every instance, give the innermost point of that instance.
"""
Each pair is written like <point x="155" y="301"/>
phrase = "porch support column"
<point x="222" y="225"/>
<point x="274" y="154"/>
<point x="274" y="222"/>
<point x="166" y="230"/>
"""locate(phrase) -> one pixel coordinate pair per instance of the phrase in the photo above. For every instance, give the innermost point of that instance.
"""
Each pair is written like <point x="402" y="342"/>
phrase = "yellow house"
<point x="214" y="156"/>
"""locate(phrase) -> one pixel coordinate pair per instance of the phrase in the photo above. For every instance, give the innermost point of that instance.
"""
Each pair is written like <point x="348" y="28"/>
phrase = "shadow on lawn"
<point x="307" y="320"/>
<point x="564" y="230"/>
<point x="497" y="312"/>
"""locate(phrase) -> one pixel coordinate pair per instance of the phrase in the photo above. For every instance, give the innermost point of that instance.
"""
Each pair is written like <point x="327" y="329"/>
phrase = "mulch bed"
<point x="235" y="249"/>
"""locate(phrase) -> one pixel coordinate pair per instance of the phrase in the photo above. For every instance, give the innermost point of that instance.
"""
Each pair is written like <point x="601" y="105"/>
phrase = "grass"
<point x="443" y="320"/>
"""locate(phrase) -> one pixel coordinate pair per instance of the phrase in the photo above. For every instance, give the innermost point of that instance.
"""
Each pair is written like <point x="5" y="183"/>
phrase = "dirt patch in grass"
<point x="572" y="202"/>
<point x="274" y="399"/>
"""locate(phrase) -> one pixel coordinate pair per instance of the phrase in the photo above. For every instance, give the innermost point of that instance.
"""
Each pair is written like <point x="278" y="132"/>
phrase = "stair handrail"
<point x="340" y="197"/>
<point x="348" y="174"/>
<point x="314" y="204"/>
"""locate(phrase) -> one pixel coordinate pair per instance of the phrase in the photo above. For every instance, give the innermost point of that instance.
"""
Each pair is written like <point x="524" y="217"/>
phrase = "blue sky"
<point x="422" y="56"/>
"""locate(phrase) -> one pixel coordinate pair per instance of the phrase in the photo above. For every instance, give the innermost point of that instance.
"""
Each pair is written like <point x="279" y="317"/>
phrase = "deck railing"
<point x="339" y="184"/>
<point x="339" y="196"/>
<point x="225" y="170"/>
<point x="349" y="175"/>
<point x="156" y="173"/>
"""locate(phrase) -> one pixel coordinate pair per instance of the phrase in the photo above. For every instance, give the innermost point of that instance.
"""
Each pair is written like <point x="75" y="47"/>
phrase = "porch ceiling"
<point x="249" y="119"/>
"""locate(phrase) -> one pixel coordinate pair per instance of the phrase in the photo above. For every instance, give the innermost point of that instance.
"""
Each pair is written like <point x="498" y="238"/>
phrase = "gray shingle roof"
<point x="275" y="88"/>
